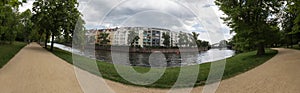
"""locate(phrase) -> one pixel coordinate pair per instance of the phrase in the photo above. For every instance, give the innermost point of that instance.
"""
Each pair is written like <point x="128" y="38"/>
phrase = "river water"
<point x="172" y="60"/>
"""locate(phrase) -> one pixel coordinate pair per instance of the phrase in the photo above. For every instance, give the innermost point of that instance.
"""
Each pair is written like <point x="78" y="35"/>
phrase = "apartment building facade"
<point x="147" y="36"/>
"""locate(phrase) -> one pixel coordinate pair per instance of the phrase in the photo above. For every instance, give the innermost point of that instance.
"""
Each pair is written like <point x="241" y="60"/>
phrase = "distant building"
<point x="147" y="36"/>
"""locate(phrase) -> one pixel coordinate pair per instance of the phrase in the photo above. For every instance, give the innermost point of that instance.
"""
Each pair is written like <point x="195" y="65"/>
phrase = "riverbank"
<point x="142" y="50"/>
<point x="142" y="59"/>
<point x="150" y="50"/>
<point x="8" y="51"/>
<point x="234" y="66"/>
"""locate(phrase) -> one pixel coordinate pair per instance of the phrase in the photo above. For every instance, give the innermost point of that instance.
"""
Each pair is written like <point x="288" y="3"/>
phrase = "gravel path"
<point x="35" y="70"/>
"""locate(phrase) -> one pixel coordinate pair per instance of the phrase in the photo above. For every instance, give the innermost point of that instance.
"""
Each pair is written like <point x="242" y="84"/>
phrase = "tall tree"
<point x="195" y="39"/>
<point x="291" y="21"/>
<point x="9" y="20"/>
<point x="166" y="38"/>
<point x="132" y="37"/>
<point x="104" y="38"/>
<point x="251" y="20"/>
<point x="41" y="18"/>
<point x="56" y="17"/>
<point x="294" y="7"/>
<point x="183" y="39"/>
<point x="195" y="35"/>
<point x="27" y="30"/>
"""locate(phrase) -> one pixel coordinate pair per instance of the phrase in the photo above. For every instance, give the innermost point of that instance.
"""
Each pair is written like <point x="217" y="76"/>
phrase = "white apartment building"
<point x="147" y="36"/>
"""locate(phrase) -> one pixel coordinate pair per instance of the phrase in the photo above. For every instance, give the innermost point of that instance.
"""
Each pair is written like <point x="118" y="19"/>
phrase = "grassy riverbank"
<point x="234" y="66"/>
<point x="7" y="51"/>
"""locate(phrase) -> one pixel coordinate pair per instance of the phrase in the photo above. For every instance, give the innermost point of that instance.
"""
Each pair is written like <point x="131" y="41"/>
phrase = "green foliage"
<point x="251" y="21"/>
<point x="41" y="19"/>
<point x="167" y="40"/>
<point x="104" y="38"/>
<point x="26" y="32"/>
<point x="199" y="43"/>
<point x="291" y="22"/>
<point x="289" y="16"/>
<point x="58" y="16"/>
<point x="9" y="20"/>
<point x="235" y="65"/>
<point x="195" y="40"/>
<point x="132" y="38"/>
<point x="294" y="8"/>
<point x="183" y="39"/>
<point x="203" y="43"/>
<point x="191" y="40"/>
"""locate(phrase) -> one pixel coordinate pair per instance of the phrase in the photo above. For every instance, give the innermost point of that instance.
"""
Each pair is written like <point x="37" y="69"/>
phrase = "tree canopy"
<point x="252" y="21"/>
<point x="294" y="10"/>
<point x="167" y="40"/>
<point x="132" y="37"/>
<point x="10" y="24"/>
<point x="56" y="17"/>
<point x="104" y="38"/>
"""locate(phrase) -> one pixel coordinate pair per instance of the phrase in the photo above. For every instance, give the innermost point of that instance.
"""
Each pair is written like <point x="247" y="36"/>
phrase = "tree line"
<point x="13" y="24"/>
<point x="53" y="19"/>
<point x="56" y="18"/>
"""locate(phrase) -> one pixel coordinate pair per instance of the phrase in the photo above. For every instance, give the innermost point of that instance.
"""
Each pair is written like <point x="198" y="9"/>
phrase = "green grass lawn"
<point x="235" y="65"/>
<point x="7" y="51"/>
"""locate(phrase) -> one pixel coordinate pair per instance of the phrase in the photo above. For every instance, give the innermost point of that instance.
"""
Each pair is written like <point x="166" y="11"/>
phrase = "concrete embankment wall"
<point x="150" y="50"/>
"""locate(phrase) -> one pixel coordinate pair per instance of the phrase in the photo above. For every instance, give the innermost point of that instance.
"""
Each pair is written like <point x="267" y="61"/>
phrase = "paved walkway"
<point x="35" y="70"/>
<point x="281" y="74"/>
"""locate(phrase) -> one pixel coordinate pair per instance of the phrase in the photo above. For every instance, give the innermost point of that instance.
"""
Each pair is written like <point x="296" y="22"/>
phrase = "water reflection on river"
<point x="172" y="59"/>
<point x="142" y="59"/>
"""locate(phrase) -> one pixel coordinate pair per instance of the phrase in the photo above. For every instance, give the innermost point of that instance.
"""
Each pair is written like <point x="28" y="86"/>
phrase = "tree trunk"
<point x="291" y="41"/>
<point x="52" y="42"/>
<point x="46" y="40"/>
<point x="260" y="50"/>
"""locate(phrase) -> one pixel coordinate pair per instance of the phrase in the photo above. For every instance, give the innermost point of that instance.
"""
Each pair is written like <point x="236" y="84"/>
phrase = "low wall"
<point x="145" y="50"/>
<point x="150" y="50"/>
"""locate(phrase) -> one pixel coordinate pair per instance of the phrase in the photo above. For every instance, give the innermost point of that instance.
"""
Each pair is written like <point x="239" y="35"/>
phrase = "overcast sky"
<point x="200" y="16"/>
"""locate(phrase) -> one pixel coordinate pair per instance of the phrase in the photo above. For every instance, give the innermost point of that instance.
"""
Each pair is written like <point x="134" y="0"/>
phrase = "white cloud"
<point x="201" y="16"/>
<point x="25" y="6"/>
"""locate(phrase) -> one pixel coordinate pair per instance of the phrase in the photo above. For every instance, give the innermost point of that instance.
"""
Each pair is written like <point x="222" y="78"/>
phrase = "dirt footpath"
<point x="35" y="70"/>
